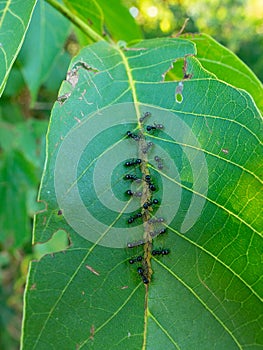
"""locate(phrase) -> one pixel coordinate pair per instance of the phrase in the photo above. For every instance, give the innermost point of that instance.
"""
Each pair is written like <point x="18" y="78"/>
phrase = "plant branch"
<point x="74" y="19"/>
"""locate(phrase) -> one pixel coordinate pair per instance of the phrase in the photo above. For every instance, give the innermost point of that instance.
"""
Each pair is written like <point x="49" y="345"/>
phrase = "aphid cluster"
<point x="154" y="223"/>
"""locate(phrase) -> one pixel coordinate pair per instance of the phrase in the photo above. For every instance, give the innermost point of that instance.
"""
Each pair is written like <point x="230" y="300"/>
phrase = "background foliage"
<point x="32" y="89"/>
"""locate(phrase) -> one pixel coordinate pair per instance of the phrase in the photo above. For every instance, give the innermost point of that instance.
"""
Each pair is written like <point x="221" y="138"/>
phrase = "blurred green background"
<point x="27" y="101"/>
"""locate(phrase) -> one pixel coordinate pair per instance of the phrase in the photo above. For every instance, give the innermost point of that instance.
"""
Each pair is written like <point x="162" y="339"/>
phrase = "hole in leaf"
<point x="179" y="98"/>
<point x="58" y="242"/>
<point x="178" y="92"/>
<point x="175" y="73"/>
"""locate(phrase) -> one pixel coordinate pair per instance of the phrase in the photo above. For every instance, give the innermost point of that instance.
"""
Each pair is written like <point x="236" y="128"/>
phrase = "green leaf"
<point x="14" y="20"/>
<point x="91" y="14"/>
<point x="19" y="177"/>
<point x="205" y="162"/>
<point x="47" y="34"/>
<point x="227" y="66"/>
<point x="106" y="17"/>
<point x="14" y="85"/>
<point x="119" y="22"/>
<point x="57" y="74"/>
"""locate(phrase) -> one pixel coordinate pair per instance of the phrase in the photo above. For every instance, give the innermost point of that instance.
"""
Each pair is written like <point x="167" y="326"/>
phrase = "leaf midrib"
<point x="131" y="83"/>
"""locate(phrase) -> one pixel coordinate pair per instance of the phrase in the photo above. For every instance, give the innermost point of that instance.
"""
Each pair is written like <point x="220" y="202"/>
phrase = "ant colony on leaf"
<point x="146" y="183"/>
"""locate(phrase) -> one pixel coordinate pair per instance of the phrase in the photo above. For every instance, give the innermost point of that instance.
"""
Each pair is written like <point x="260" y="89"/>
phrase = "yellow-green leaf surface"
<point x="15" y="16"/>
<point x="200" y="140"/>
<point x="227" y="66"/>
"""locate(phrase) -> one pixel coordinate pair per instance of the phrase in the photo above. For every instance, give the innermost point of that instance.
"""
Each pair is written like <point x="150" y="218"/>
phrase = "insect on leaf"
<point x="192" y="169"/>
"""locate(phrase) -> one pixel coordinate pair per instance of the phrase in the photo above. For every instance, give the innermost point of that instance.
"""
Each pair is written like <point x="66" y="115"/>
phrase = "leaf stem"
<point x="74" y="19"/>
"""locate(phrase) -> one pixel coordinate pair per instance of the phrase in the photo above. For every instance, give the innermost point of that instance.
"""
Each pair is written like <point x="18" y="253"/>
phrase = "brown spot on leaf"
<point x="33" y="287"/>
<point x="77" y="119"/>
<point x="124" y="287"/>
<point x="90" y="22"/>
<point x="92" y="270"/>
<point x="92" y="332"/>
<point x="63" y="98"/>
<point x="44" y="220"/>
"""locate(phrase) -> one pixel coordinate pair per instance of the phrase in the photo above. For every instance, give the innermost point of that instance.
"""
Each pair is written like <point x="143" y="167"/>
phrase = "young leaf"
<point x="14" y="20"/>
<point x="200" y="140"/>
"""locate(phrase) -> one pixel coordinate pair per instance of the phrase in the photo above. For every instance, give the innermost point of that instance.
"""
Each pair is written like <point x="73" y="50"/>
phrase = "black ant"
<point x="133" y="136"/>
<point x="160" y="252"/>
<point x="135" y="194"/>
<point x="145" y="115"/>
<point x="144" y="278"/>
<point x="146" y="205"/>
<point x="158" y="232"/>
<point x="133" y="162"/>
<point x="130" y="177"/>
<point x="147" y="147"/>
<point x="135" y="244"/>
<point x="138" y="259"/>
<point x="152" y="187"/>
<point x="134" y="217"/>
<point x="155" y="220"/>
<point x="147" y="178"/>
<point x="154" y="127"/>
